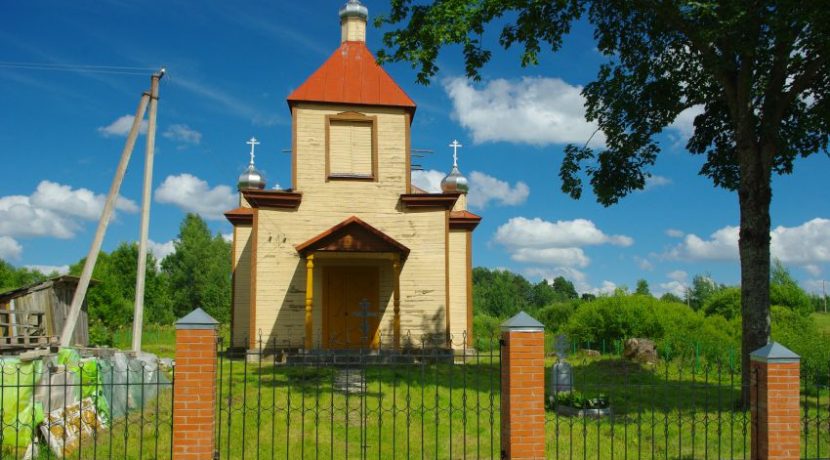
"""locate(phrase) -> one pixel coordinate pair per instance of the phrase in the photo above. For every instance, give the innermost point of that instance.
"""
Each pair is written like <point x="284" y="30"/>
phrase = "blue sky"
<point x="231" y="65"/>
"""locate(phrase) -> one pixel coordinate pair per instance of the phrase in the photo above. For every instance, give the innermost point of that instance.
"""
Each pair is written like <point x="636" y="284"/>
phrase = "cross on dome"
<point x="455" y="146"/>
<point x="253" y="143"/>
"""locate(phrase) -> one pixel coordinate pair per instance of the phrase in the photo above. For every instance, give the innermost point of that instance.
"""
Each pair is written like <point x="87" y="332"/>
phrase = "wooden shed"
<point x="32" y="315"/>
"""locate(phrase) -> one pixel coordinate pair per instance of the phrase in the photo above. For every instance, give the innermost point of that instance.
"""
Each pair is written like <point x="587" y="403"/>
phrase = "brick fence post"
<point x="523" y="388"/>
<point x="774" y="403"/>
<point x="194" y="387"/>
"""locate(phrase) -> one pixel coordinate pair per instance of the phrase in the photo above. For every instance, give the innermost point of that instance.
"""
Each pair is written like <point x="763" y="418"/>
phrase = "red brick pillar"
<point x="774" y="403"/>
<point x="523" y="388"/>
<point x="194" y="387"/>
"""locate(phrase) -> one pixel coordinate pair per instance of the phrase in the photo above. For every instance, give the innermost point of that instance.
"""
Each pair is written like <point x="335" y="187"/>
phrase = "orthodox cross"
<point x="253" y="143"/>
<point x="365" y="314"/>
<point x="455" y="145"/>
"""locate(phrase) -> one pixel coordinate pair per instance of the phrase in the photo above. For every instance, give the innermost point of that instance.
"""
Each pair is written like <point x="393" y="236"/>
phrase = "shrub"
<point x="486" y="330"/>
<point x="800" y="334"/>
<point x="726" y="302"/>
<point x="556" y="316"/>
<point x="677" y="330"/>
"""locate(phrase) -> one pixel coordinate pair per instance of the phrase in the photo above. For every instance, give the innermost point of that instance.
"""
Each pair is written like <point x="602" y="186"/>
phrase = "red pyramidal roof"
<point x="352" y="76"/>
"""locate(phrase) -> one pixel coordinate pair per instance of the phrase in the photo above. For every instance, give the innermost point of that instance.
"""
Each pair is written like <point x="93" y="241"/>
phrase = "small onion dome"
<point x="251" y="179"/>
<point x="455" y="182"/>
<point x="353" y="8"/>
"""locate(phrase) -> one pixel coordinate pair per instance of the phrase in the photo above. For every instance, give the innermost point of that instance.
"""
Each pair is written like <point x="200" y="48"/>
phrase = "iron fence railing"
<point x="63" y="405"/>
<point x="815" y="415"/>
<point x="430" y="399"/>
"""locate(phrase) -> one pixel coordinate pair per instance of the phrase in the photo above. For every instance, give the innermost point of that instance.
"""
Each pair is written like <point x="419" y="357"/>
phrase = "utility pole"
<point x="106" y="215"/>
<point x="138" y="316"/>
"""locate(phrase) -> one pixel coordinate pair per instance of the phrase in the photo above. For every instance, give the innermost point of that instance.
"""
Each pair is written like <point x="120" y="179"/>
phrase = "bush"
<point x="486" y="331"/>
<point x="556" y="316"/>
<point x="677" y="330"/>
<point x="800" y="334"/>
<point x="99" y="335"/>
<point x="726" y="302"/>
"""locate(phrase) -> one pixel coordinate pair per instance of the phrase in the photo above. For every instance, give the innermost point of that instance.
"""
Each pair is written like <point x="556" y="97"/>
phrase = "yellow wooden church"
<point x="352" y="255"/>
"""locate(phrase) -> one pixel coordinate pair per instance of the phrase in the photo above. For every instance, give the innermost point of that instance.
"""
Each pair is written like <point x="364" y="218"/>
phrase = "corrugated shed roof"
<point x="351" y="75"/>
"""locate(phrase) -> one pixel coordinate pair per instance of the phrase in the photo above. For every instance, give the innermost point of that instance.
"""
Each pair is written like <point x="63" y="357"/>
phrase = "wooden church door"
<point x="350" y="307"/>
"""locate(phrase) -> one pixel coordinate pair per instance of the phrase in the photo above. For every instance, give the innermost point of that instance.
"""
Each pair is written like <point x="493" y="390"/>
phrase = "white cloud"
<point x="674" y="233"/>
<point x="684" y="122"/>
<point x="675" y="287"/>
<point x="678" y="275"/>
<point x="813" y="269"/>
<point x="428" y="181"/>
<point x="485" y="188"/>
<point x="538" y="233"/>
<point x="806" y="244"/>
<point x="568" y="257"/>
<point x="160" y="250"/>
<point x="9" y="248"/>
<point x="49" y="269"/>
<point x="721" y="245"/>
<point x="80" y="202"/>
<point x="817" y="286"/>
<point x="655" y="181"/>
<point x="121" y="127"/>
<point x="183" y="134"/>
<point x="227" y="237"/>
<point x="643" y="263"/>
<point x="607" y="287"/>
<point x="533" y="110"/>
<point x="53" y="210"/>
<point x="191" y="194"/>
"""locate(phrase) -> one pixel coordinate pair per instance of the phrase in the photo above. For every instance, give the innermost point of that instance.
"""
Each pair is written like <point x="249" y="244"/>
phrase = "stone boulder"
<point x="640" y="350"/>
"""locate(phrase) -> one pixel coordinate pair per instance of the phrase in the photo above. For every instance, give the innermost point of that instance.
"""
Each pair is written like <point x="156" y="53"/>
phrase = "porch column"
<point x="396" y="319"/>
<point x="309" y="299"/>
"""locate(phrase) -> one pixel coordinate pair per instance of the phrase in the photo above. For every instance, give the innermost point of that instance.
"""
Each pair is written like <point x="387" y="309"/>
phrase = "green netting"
<point x="21" y="413"/>
<point x="88" y="379"/>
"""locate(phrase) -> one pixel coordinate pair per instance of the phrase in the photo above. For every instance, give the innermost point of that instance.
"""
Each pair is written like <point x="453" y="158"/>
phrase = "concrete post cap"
<point x="197" y="319"/>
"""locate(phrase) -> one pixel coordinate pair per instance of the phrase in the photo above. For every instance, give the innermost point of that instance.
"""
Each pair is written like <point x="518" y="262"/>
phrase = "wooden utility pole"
<point x="138" y="316"/>
<point x="106" y="215"/>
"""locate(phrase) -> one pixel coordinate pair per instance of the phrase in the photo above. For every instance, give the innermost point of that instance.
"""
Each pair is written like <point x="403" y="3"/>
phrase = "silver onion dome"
<point x="353" y="8"/>
<point x="251" y="179"/>
<point x="455" y="182"/>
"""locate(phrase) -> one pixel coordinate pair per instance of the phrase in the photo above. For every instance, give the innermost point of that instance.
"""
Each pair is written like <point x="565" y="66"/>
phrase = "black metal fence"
<point x="66" y="406"/>
<point x="815" y="415"/>
<point x="426" y="400"/>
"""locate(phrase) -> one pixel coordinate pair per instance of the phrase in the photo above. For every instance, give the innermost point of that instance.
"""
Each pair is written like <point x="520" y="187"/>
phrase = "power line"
<point x="87" y="68"/>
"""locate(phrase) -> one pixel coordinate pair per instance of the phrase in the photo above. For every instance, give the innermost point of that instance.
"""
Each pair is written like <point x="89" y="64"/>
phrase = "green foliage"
<point x="800" y="334"/>
<point x="486" y="332"/>
<point x="13" y="278"/>
<point x="677" y="330"/>
<point x="579" y="400"/>
<point x="785" y="291"/>
<point x="100" y="335"/>
<point x="199" y="271"/>
<point x="642" y="288"/>
<point x="725" y="302"/>
<point x="111" y="300"/>
<point x="500" y="293"/>
<point x="669" y="297"/>
<point x="703" y="287"/>
<point x="556" y="316"/>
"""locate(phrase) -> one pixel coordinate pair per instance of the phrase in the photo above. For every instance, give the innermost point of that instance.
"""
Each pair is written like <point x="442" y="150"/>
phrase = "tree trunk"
<point x="755" y="195"/>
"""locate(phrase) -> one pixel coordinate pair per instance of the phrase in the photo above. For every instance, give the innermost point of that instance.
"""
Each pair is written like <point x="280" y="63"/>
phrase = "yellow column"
<point x="396" y="319"/>
<point x="309" y="299"/>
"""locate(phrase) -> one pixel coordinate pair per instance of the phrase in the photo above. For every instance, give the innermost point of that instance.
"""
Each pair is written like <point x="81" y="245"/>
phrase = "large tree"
<point x="757" y="70"/>
<point x="199" y="271"/>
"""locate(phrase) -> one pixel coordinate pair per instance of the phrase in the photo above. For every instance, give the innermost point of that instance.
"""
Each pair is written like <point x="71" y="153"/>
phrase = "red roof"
<point x="352" y="76"/>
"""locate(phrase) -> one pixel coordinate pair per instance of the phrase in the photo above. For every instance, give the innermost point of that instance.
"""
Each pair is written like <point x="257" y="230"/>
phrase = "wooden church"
<point x="352" y="255"/>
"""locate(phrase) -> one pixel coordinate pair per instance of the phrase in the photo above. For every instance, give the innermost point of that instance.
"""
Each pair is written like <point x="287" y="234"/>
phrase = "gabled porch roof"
<point x="352" y="235"/>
